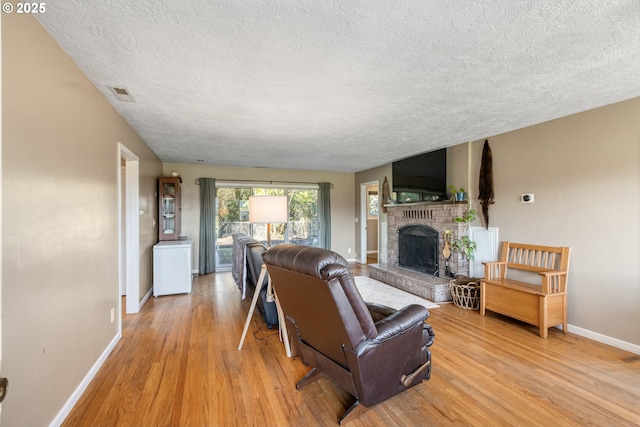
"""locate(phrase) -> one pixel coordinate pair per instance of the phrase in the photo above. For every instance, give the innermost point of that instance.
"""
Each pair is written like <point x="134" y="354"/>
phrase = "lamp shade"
<point x="268" y="209"/>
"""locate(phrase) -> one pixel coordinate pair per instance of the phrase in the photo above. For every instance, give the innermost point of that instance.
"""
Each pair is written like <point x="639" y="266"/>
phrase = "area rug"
<point x="377" y="292"/>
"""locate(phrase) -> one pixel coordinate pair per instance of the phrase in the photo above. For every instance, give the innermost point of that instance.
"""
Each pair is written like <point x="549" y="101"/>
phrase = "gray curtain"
<point x="207" y="262"/>
<point x="324" y="214"/>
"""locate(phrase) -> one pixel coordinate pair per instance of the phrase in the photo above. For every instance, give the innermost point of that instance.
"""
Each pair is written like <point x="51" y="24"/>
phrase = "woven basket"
<point x="465" y="295"/>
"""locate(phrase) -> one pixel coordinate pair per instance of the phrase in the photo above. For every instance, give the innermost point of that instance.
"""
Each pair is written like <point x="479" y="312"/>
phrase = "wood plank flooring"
<point x="178" y="365"/>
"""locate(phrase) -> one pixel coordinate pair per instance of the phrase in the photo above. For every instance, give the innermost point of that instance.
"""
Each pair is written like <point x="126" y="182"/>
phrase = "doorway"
<point x="129" y="228"/>
<point x="369" y="222"/>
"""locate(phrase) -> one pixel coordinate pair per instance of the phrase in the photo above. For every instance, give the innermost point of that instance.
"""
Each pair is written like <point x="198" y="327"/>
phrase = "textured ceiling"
<point x="346" y="85"/>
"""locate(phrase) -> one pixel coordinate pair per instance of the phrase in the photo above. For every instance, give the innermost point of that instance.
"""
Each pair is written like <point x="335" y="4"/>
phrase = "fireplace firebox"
<point x="418" y="248"/>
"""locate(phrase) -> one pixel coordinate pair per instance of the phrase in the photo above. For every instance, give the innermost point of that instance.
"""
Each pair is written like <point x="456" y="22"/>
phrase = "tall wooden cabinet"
<point x="169" y="207"/>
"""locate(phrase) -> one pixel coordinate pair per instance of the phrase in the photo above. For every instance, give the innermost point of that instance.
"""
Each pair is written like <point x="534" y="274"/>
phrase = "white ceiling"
<point x="346" y="85"/>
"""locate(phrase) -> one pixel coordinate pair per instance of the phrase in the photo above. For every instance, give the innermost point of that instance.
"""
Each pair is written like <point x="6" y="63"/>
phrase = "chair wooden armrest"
<point x="495" y="270"/>
<point x="554" y="282"/>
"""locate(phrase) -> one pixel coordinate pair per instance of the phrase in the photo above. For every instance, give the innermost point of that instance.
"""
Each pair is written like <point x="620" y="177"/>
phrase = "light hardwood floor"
<point x="178" y="365"/>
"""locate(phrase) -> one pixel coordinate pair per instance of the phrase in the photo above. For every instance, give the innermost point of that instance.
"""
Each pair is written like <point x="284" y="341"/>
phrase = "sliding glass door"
<point x="233" y="217"/>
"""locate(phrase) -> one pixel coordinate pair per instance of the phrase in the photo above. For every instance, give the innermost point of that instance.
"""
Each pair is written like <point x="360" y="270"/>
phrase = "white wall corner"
<point x="75" y="396"/>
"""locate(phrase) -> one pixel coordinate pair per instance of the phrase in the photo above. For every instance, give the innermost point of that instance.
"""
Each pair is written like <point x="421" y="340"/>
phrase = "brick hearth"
<point x="434" y="289"/>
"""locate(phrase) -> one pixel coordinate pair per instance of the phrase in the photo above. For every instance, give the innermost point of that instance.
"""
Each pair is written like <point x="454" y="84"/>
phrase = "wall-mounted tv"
<point x="421" y="177"/>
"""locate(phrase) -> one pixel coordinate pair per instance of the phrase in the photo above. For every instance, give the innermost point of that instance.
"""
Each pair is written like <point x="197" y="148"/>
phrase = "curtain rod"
<point x="261" y="181"/>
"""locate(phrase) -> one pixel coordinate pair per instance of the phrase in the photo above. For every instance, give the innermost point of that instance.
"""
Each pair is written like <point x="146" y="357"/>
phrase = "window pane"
<point x="233" y="217"/>
<point x="267" y="191"/>
<point x="405" y="197"/>
<point x="303" y="217"/>
<point x="373" y="204"/>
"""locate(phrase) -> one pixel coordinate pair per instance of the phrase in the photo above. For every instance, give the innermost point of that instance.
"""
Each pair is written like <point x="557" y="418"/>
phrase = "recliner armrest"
<point x="379" y="311"/>
<point x="401" y="321"/>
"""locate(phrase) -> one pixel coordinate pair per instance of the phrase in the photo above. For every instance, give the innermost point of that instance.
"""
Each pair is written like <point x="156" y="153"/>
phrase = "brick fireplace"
<point x="439" y="216"/>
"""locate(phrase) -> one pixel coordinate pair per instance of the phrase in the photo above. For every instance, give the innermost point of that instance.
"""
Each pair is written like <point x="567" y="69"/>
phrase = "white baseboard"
<point x="144" y="300"/>
<point x="75" y="396"/>
<point x="614" y="342"/>
<point x="352" y="260"/>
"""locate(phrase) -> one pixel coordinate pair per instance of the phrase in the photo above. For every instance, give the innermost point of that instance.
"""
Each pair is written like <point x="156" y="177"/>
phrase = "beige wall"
<point x="458" y="164"/>
<point x="150" y="170"/>
<point x="584" y="171"/>
<point x="342" y="213"/>
<point x="369" y="175"/>
<point x="60" y="255"/>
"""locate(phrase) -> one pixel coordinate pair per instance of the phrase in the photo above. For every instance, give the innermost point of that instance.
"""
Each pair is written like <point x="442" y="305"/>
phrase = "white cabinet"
<point x="172" y="267"/>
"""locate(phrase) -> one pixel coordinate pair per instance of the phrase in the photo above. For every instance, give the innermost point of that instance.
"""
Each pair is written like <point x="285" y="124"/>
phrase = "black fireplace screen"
<point x="418" y="248"/>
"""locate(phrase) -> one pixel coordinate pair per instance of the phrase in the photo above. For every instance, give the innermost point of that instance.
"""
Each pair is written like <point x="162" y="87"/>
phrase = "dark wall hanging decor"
<point x="385" y="195"/>
<point x="485" y="193"/>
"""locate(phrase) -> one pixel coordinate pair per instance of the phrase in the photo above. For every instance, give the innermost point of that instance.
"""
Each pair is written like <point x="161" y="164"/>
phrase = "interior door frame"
<point x="132" y="228"/>
<point x="363" y="219"/>
<point x="121" y="250"/>
<point x="1" y="284"/>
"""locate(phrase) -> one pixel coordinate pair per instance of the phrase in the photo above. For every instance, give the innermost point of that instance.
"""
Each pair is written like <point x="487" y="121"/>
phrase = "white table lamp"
<point x="268" y="210"/>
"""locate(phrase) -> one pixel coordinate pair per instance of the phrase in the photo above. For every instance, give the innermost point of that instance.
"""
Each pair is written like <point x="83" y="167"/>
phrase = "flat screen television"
<point x="421" y="177"/>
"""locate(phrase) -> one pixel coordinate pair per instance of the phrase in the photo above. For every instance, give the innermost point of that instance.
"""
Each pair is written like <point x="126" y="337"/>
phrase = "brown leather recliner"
<point x="333" y="330"/>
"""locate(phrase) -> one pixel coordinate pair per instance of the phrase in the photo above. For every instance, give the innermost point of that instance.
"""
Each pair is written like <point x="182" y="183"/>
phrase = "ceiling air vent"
<point x="122" y="94"/>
